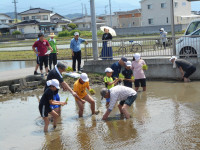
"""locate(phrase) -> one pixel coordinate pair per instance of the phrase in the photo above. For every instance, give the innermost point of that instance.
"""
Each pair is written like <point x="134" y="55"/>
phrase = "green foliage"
<point x="69" y="69"/>
<point x="72" y="26"/>
<point x="16" y="32"/>
<point x="73" y="31"/>
<point x="64" y="33"/>
<point x="99" y="32"/>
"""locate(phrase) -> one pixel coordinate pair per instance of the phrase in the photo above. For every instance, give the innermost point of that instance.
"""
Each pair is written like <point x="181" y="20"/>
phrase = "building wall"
<point x="28" y="29"/>
<point x="39" y="14"/>
<point x="161" y="16"/>
<point x="4" y="19"/>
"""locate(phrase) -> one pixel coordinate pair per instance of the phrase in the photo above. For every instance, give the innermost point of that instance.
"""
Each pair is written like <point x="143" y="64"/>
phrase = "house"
<point x="5" y="23"/>
<point x="157" y="12"/>
<point x="84" y="23"/>
<point x="129" y="18"/>
<point x="36" y="20"/>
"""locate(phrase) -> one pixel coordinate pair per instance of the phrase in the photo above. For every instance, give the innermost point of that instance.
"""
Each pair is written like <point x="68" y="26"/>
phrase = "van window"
<point x="193" y="27"/>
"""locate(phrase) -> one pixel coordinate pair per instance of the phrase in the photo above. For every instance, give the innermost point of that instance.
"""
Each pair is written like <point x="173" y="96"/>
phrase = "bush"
<point x="99" y="32"/>
<point x="86" y="33"/>
<point x="64" y="33"/>
<point x="72" y="26"/>
<point x="16" y="32"/>
<point x="73" y="31"/>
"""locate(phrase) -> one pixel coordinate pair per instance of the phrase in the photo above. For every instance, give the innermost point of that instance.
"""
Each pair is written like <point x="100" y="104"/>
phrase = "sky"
<point x="65" y="7"/>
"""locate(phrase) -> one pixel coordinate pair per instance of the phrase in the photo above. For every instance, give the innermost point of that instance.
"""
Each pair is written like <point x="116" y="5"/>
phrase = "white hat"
<point x="128" y="63"/>
<point x="53" y="82"/>
<point x="84" y="77"/>
<point x="162" y="29"/>
<point x="76" y="33"/>
<point x="137" y="56"/>
<point x="108" y="70"/>
<point x="173" y="57"/>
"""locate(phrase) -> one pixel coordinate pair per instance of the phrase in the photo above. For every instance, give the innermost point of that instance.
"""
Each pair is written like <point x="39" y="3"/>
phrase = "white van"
<point x="189" y="44"/>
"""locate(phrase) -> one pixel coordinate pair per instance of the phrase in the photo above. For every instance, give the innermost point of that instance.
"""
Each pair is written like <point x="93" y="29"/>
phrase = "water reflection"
<point x="166" y="116"/>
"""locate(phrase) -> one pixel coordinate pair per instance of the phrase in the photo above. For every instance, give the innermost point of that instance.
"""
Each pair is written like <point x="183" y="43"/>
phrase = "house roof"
<point x="86" y="20"/>
<point x="5" y="15"/>
<point x="128" y="12"/>
<point x="51" y="15"/>
<point x="3" y="26"/>
<point x="27" y="22"/>
<point x="35" y="11"/>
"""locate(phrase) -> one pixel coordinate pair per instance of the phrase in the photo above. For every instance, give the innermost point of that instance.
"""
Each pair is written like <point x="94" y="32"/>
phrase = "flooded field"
<point x="166" y="117"/>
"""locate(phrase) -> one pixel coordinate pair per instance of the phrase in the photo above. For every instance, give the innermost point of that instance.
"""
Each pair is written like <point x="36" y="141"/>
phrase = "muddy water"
<point x="167" y="116"/>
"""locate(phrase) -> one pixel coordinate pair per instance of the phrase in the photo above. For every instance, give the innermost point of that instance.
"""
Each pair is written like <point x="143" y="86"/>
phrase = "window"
<point x="167" y="20"/>
<point x="3" y="21"/>
<point x="163" y="5"/>
<point x="45" y="17"/>
<point x="33" y="17"/>
<point x="197" y="33"/>
<point x="150" y="21"/>
<point x="25" y="18"/>
<point x="193" y="27"/>
<point x="149" y="6"/>
<point x="175" y="4"/>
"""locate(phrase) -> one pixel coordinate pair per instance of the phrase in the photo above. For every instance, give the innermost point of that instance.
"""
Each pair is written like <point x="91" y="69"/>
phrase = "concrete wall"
<point x="148" y="29"/>
<point x="157" y="68"/>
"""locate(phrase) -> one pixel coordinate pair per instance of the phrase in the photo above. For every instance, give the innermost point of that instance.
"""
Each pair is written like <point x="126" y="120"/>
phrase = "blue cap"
<point x="124" y="59"/>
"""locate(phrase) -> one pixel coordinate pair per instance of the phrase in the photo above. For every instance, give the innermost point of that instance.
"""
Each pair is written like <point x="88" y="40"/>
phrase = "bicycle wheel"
<point x="121" y="50"/>
<point x="136" y="47"/>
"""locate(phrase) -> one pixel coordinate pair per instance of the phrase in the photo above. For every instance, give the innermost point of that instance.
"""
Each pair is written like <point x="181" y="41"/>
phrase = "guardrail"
<point x="186" y="46"/>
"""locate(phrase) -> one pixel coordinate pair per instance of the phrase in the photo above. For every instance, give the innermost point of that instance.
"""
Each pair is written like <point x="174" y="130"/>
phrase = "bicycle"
<point x="130" y="48"/>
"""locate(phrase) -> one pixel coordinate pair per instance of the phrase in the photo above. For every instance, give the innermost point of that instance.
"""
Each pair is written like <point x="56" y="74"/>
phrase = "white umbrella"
<point x="111" y="30"/>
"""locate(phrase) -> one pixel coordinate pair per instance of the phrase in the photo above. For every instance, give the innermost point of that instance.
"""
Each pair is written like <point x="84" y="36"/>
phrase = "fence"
<point x="186" y="46"/>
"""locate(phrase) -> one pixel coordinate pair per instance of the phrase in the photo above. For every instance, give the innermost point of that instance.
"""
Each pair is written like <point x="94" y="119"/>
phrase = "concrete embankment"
<point x="158" y="69"/>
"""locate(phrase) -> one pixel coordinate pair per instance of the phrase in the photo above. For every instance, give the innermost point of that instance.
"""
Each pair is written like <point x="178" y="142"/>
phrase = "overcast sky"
<point x="65" y="7"/>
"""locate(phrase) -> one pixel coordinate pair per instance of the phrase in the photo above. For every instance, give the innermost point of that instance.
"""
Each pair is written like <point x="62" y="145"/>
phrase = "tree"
<point x="72" y="26"/>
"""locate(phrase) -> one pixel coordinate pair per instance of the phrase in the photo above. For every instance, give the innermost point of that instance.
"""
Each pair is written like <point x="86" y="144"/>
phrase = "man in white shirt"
<point x="125" y="95"/>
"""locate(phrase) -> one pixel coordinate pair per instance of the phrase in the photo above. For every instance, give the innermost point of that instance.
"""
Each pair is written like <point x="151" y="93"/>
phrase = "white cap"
<point x="162" y="29"/>
<point x="53" y="82"/>
<point x="84" y="77"/>
<point x="173" y="57"/>
<point x="128" y="63"/>
<point x="76" y="33"/>
<point x="108" y="70"/>
<point x="137" y="56"/>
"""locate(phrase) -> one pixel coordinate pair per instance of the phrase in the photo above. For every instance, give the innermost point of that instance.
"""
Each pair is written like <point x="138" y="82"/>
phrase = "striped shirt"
<point x="119" y="93"/>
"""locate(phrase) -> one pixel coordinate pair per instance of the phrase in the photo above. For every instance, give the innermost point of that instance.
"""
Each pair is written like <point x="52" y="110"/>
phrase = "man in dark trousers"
<point x="75" y="46"/>
<point x="186" y="68"/>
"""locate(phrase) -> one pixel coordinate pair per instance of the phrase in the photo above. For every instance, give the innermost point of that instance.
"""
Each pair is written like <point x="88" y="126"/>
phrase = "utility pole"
<point x="106" y="10"/>
<point x="85" y="11"/>
<point x="172" y="26"/>
<point x="82" y="9"/>
<point x="94" y="30"/>
<point x="15" y="4"/>
<point x="110" y="14"/>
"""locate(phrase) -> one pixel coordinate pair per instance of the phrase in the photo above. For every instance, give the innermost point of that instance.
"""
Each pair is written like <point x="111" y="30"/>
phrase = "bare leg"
<point x="120" y="108"/>
<point x="144" y="88"/>
<point x="46" y="70"/>
<point x="55" y="117"/>
<point x="81" y="107"/>
<point x="125" y="111"/>
<point x="36" y="67"/>
<point x="90" y="100"/>
<point x="57" y="110"/>
<point x="46" y="124"/>
<point x="136" y="89"/>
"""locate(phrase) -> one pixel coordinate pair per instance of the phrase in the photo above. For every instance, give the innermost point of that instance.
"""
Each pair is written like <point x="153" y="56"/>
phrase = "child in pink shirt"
<point x="138" y="72"/>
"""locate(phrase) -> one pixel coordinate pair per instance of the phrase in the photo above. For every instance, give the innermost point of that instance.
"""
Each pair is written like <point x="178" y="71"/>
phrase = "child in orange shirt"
<point x="80" y="88"/>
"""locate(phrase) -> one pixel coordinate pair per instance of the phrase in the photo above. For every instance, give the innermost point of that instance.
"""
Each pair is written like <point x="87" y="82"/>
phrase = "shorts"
<point x="129" y="101"/>
<point x="56" y="97"/>
<point x="44" y="110"/>
<point x="190" y="71"/>
<point x="140" y="81"/>
<point x="107" y="99"/>
<point x="37" y="60"/>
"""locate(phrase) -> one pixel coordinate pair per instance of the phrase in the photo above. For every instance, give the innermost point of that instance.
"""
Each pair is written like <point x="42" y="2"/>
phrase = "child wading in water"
<point x="128" y="74"/>
<point x="80" y="88"/>
<point x="109" y="83"/>
<point x="137" y="67"/>
<point x="46" y="101"/>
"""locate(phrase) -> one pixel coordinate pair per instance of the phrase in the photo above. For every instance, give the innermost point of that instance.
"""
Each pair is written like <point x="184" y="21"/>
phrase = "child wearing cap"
<point x="137" y="67"/>
<point x="109" y="83"/>
<point x="80" y="87"/>
<point x="46" y="101"/>
<point x="128" y="74"/>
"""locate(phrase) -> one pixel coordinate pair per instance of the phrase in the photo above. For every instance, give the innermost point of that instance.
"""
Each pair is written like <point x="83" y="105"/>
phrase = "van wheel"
<point x="188" y="52"/>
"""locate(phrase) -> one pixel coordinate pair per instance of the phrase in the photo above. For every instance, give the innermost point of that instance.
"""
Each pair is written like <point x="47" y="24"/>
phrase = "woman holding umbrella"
<point x="106" y="52"/>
